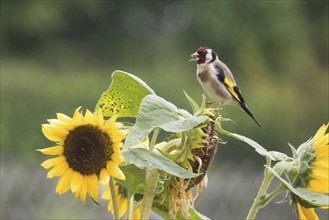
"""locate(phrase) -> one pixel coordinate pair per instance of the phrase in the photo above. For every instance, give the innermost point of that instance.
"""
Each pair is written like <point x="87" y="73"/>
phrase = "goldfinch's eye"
<point x="202" y="53"/>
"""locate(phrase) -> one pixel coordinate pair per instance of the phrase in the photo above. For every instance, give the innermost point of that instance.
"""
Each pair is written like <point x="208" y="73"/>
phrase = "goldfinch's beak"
<point x="195" y="57"/>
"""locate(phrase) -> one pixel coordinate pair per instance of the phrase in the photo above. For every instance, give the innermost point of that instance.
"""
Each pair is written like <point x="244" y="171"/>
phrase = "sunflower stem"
<point x="114" y="199"/>
<point x="273" y="194"/>
<point x="154" y="139"/>
<point x="130" y="209"/>
<point x="261" y="192"/>
<point x="262" y="199"/>
<point x="150" y="183"/>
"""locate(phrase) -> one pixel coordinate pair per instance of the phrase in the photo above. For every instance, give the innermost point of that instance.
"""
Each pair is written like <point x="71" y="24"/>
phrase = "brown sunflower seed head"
<point x="204" y="156"/>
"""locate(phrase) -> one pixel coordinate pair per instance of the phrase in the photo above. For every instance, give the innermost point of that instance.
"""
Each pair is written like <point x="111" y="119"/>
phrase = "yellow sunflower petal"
<point x="111" y="120"/>
<point x="323" y="140"/>
<point x="106" y="194"/>
<point x="92" y="182"/>
<point x="76" y="193"/>
<point x="54" y="134"/>
<point x="137" y="214"/>
<point x="104" y="177"/>
<point x="123" y="206"/>
<point x="117" y="146"/>
<point x="52" y="150"/>
<point x="322" y="150"/>
<point x="320" y="172"/>
<point x="58" y="170"/>
<point x="76" y="181"/>
<point x="115" y="171"/>
<point x="122" y="203"/>
<point x="100" y="118"/>
<point x="52" y="162"/>
<point x="320" y="132"/>
<point x="117" y="158"/>
<point x="77" y="117"/>
<point x="83" y="190"/>
<point x="111" y="126"/>
<point x="117" y="136"/>
<point x="306" y="214"/>
<point x="90" y="117"/>
<point x="64" y="118"/>
<point x="110" y="207"/>
<point x="77" y="113"/>
<point x="58" y="124"/>
<point x="64" y="182"/>
<point x="319" y="185"/>
<point x="324" y="163"/>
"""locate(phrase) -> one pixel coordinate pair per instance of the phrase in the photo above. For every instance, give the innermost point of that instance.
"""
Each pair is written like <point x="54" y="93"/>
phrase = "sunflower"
<point x="121" y="195"/>
<point x="87" y="150"/>
<point x="314" y="169"/>
<point x="197" y="155"/>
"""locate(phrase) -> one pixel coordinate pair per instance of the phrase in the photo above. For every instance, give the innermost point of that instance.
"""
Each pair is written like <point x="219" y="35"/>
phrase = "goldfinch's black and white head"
<point x="217" y="80"/>
<point x="204" y="55"/>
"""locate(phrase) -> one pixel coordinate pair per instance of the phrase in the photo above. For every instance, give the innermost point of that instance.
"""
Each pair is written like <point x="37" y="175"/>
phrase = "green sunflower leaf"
<point x="193" y="104"/>
<point x="278" y="155"/>
<point x="144" y="158"/>
<point x="196" y="215"/>
<point x="135" y="178"/>
<point x="284" y="166"/>
<point x="259" y="149"/>
<point x="309" y="198"/>
<point x="293" y="150"/>
<point x="123" y="96"/>
<point x="155" y="112"/>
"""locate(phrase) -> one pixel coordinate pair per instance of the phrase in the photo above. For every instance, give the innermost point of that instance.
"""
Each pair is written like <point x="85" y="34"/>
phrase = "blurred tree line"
<point x="57" y="55"/>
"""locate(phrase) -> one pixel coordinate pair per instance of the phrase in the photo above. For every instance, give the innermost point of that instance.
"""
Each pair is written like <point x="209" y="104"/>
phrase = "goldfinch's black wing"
<point x="229" y="84"/>
<point x="234" y="91"/>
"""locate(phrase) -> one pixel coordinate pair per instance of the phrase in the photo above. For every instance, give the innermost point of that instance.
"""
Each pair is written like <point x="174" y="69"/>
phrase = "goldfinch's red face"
<point x="204" y="55"/>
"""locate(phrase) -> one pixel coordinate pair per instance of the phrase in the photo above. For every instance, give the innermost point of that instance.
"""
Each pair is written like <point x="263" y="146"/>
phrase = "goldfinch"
<point x="217" y="80"/>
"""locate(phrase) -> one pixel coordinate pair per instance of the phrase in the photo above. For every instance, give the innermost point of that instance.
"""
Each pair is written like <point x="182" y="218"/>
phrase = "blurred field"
<point x="58" y="55"/>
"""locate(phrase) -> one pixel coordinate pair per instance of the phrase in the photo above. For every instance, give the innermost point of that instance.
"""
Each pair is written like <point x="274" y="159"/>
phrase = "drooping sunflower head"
<point x="312" y="159"/>
<point x="87" y="150"/>
<point x="202" y="157"/>
<point x="197" y="155"/>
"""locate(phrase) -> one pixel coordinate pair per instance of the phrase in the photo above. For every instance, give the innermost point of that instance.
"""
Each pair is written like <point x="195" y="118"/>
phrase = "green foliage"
<point x="155" y="112"/>
<point x="259" y="149"/>
<point x="311" y="199"/>
<point x="278" y="156"/>
<point x="194" y="214"/>
<point x="123" y="96"/>
<point x="144" y="158"/>
<point x="135" y="178"/>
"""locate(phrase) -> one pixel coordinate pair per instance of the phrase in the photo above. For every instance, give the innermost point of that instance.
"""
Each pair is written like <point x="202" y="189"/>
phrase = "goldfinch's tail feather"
<point x="246" y="109"/>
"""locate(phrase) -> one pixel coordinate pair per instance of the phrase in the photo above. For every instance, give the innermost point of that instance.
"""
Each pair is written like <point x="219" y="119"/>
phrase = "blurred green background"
<point x="57" y="55"/>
